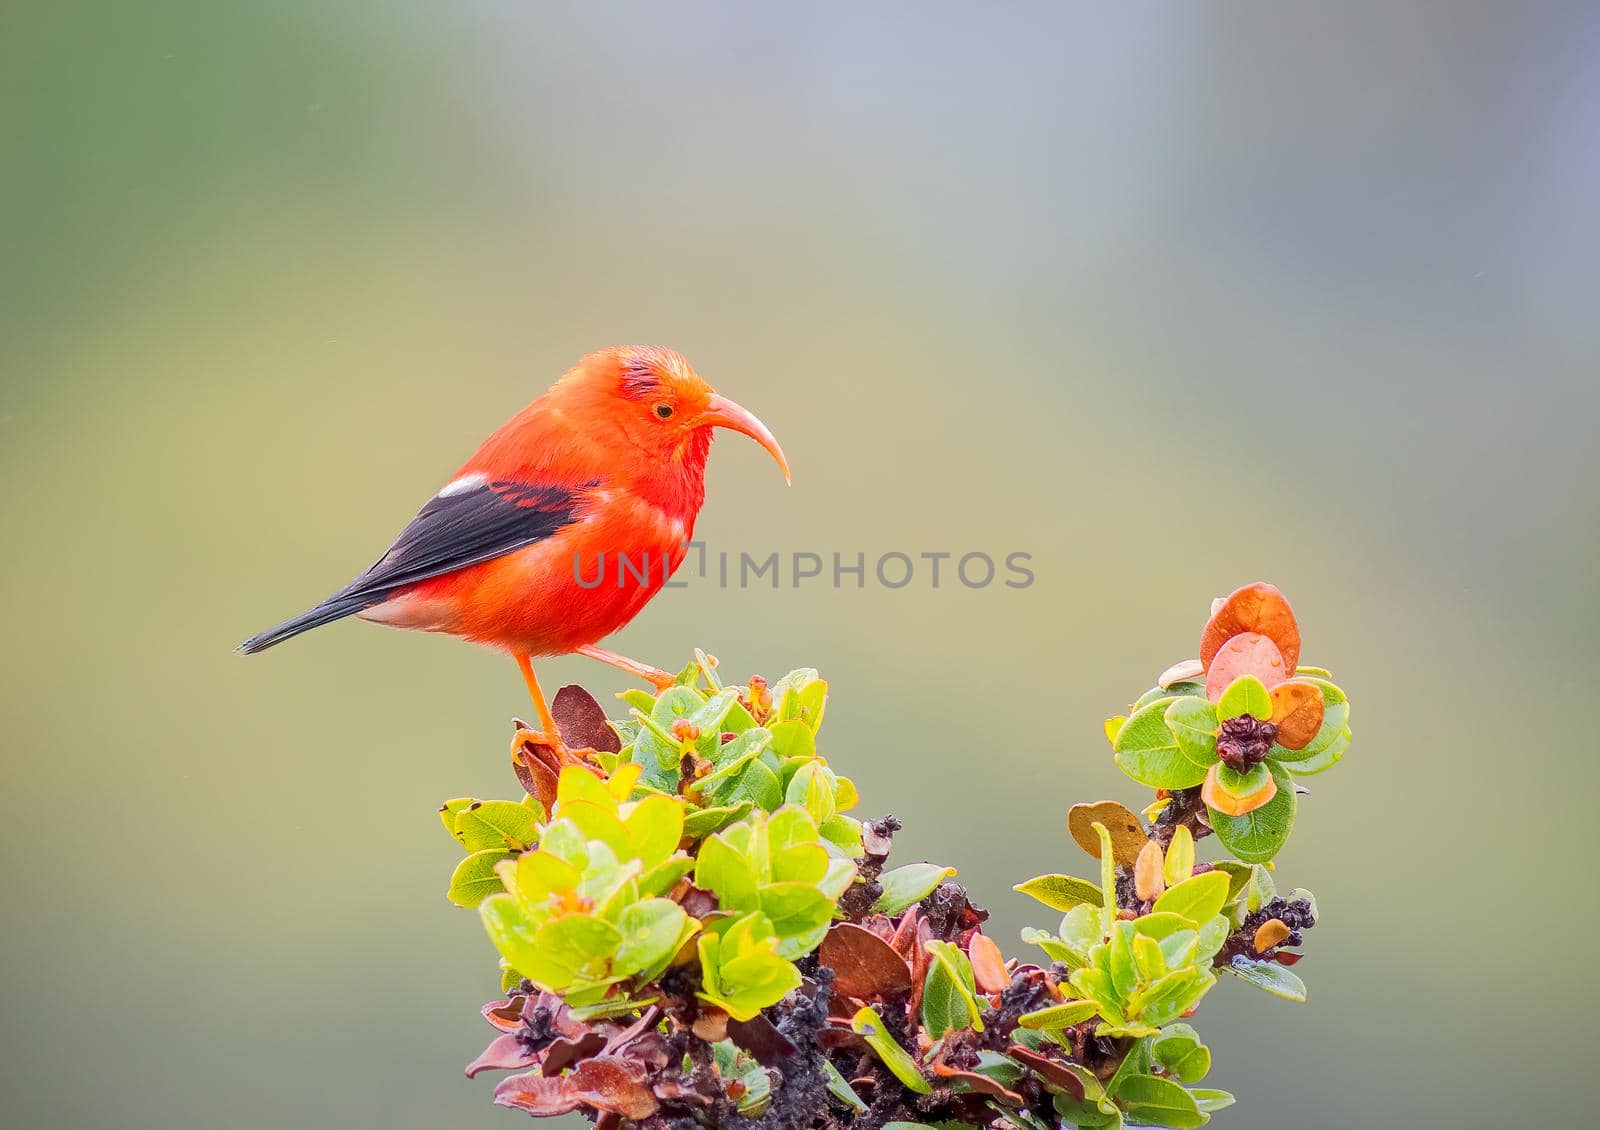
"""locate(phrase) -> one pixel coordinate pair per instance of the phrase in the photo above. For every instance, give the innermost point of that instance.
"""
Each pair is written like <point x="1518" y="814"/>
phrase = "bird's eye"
<point x="663" y="411"/>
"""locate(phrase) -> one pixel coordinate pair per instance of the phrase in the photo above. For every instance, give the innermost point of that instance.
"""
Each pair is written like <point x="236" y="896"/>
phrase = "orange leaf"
<point x="1297" y="712"/>
<point x="1261" y="608"/>
<point x="1248" y="653"/>
<point x="988" y="966"/>
<point x="1148" y="881"/>
<point x="1272" y="932"/>
<point x="1226" y="803"/>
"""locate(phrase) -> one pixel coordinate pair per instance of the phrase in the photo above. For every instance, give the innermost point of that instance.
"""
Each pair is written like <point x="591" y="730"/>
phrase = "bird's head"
<point x="662" y="406"/>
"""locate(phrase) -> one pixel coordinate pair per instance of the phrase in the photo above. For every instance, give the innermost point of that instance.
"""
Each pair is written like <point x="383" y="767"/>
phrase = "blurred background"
<point x="1170" y="296"/>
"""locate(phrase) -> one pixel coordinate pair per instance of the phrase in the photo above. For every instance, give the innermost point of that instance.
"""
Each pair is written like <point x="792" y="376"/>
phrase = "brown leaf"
<point x="977" y="1084"/>
<point x="1056" y="1074"/>
<point x="1225" y="802"/>
<point x="1249" y="653"/>
<point x="761" y="1038"/>
<point x="504" y="1053"/>
<point x="582" y="721"/>
<point x="1127" y="833"/>
<point x="540" y="1096"/>
<point x="864" y="965"/>
<point x="988" y="964"/>
<point x="1259" y="608"/>
<point x="1297" y="710"/>
<point x="711" y="1026"/>
<point x="534" y="766"/>
<point x="614" y="1084"/>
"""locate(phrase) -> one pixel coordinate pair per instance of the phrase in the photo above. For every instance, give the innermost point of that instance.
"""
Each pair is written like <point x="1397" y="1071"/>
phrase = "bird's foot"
<point x="560" y="750"/>
<point x="538" y="759"/>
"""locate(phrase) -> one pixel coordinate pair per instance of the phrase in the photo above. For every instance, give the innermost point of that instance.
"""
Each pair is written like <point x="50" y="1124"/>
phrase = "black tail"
<point x="336" y="607"/>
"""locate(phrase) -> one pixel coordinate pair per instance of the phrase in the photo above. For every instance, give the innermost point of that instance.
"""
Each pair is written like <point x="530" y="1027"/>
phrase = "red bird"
<point x="562" y="525"/>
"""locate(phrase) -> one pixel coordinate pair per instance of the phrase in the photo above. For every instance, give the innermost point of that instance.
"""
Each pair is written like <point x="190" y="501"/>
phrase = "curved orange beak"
<point x="723" y="413"/>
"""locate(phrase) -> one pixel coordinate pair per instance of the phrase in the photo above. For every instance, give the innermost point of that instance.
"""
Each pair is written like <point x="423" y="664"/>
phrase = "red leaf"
<point x="505" y="1015"/>
<point x="1260" y="608"/>
<point x="565" y="1051"/>
<point x="614" y="1084"/>
<point x="1246" y="654"/>
<point x="538" y="1095"/>
<point x="864" y="965"/>
<point x="504" y="1053"/>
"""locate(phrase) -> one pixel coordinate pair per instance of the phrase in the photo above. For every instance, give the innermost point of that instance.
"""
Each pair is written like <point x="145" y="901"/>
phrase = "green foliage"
<point x="703" y="888"/>
<point x="584" y="910"/>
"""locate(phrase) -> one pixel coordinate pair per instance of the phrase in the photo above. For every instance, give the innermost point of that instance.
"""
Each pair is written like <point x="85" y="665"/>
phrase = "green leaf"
<point x="869" y="1025"/>
<point x="1257" y="836"/>
<point x="1053" y="946"/>
<point x="1148" y="958"/>
<point x="1238" y="875"/>
<point x="475" y="878"/>
<point x="949" y="992"/>
<point x="1084" y="1115"/>
<point x="907" y="885"/>
<point x="1179" y="863"/>
<point x="1210" y="1100"/>
<point x="1269" y="976"/>
<point x="1193" y="721"/>
<point x="499" y="824"/>
<point x="1179" y="1050"/>
<point x="1059" y="1016"/>
<point x="1326" y="757"/>
<point x="793" y="740"/>
<point x="654" y="827"/>
<point x="844" y="832"/>
<point x="1148" y="751"/>
<point x="704" y="821"/>
<point x="1245" y="784"/>
<point x="727" y="873"/>
<point x="800" y="915"/>
<point x="650" y="936"/>
<point x="811" y="788"/>
<point x="839" y="1087"/>
<point x="740" y="969"/>
<point x="1151" y="1099"/>
<point x="1197" y="898"/>
<point x="448" y="810"/>
<point x="661" y="878"/>
<point x="1061" y="892"/>
<point x="1245" y="695"/>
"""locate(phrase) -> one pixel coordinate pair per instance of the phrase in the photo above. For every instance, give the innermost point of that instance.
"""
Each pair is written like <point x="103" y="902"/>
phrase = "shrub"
<point x="692" y="929"/>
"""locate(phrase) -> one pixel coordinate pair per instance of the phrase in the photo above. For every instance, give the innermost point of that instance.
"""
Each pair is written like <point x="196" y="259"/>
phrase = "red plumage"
<point x="537" y="544"/>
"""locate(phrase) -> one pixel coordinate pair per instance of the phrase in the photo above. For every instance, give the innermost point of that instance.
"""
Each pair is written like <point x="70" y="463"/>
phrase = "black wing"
<point x="466" y="523"/>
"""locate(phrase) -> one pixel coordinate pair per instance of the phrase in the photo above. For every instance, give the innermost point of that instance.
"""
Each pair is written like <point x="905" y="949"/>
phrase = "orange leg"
<point x="655" y="676"/>
<point x="547" y="722"/>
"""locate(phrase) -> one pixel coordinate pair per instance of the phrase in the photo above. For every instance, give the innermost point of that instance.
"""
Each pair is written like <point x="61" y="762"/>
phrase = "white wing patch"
<point x="463" y="484"/>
